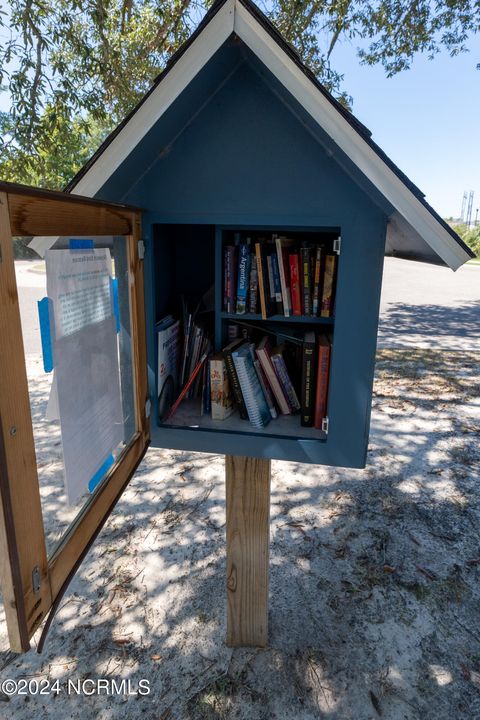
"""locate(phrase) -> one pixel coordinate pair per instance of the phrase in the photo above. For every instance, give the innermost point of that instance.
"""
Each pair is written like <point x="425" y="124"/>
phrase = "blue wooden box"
<point x="237" y="134"/>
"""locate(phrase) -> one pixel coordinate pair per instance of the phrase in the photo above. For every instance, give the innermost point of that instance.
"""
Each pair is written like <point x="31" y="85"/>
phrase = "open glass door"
<point x="95" y="424"/>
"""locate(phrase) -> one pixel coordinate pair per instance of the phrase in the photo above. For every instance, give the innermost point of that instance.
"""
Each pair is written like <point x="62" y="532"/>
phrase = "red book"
<point x="323" y="368"/>
<point x="294" y="261"/>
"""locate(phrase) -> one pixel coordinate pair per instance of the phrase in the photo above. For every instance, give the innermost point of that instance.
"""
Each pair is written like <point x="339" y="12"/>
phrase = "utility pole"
<point x="464" y="205"/>
<point x="469" y="209"/>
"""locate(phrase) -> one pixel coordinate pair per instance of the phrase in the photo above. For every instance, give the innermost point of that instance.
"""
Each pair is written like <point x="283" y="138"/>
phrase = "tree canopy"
<point x="74" y="68"/>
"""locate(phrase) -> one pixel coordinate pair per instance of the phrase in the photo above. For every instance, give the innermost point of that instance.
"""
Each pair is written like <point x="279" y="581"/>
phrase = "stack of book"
<point x="257" y="379"/>
<point x="278" y="276"/>
<point x="183" y="347"/>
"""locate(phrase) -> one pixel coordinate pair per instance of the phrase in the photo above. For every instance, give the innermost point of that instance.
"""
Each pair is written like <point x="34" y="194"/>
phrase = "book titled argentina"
<point x="255" y="402"/>
<point x="243" y="282"/>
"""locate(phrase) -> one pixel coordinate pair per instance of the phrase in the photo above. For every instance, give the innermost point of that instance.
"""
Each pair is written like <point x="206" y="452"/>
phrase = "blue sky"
<point x="427" y="119"/>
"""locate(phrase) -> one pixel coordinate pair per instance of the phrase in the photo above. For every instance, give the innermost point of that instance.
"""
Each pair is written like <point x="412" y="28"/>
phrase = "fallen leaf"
<point x="389" y="569"/>
<point x="155" y="657"/>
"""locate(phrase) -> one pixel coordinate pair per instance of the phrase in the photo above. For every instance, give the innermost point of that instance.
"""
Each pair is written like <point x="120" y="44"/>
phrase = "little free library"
<point x="213" y="279"/>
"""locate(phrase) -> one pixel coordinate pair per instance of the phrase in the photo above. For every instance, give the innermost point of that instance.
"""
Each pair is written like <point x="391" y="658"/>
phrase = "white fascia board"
<point x="324" y="113"/>
<point x="173" y="84"/>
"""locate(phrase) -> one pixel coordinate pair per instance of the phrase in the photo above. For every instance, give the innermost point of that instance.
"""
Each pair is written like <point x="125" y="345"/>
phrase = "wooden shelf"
<point x="188" y="416"/>
<point x="278" y="318"/>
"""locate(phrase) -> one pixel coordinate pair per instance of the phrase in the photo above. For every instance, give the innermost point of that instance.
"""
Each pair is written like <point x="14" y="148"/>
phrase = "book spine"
<point x="235" y="385"/>
<point x="295" y="284"/>
<point x="261" y="280"/>
<point x="271" y="285"/>
<point x="322" y="385"/>
<point x="306" y="285"/>
<point x="316" y="281"/>
<point x="231" y="256"/>
<point x="277" y="284"/>
<point x="308" y="384"/>
<point x="283" y="376"/>
<point x="243" y="277"/>
<point x="284" y="276"/>
<point x="253" y="297"/>
<point x="266" y="363"/>
<point x="328" y="283"/>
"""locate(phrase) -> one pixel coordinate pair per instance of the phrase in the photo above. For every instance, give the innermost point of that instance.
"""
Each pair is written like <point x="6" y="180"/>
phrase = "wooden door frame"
<point x="31" y="582"/>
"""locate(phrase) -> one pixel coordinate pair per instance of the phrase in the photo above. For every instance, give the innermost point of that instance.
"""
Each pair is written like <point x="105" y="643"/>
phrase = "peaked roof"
<point x="415" y="230"/>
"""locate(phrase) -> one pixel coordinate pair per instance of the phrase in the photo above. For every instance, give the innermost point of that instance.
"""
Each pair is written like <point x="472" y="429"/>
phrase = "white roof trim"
<point x="234" y="17"/>
<point x="355" y="147"/>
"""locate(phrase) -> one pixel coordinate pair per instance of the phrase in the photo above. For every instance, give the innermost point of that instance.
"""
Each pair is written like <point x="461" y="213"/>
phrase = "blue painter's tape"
<point x="101" y="472"/>
<point x="46" y="333"/>
<point x="116" y="307"/>
<point x="80" y="244"/>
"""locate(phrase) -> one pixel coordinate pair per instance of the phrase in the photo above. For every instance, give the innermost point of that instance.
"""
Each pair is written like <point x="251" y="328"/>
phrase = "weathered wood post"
<point x="248" y="531"/>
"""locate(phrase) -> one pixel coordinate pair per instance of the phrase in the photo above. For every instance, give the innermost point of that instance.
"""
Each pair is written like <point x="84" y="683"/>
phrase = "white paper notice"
<point x="85" y="352"/>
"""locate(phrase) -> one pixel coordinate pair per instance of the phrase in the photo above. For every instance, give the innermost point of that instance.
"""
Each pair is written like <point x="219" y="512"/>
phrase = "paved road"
<point x="428" y="306"/>
<point x="421" y="305"/>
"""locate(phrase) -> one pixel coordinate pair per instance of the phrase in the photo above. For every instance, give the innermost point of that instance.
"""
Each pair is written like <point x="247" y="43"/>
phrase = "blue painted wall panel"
<point x="234" y="150"/>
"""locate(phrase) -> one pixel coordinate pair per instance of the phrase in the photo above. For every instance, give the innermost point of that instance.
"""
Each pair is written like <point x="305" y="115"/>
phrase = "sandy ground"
<point x="374" y="608"/>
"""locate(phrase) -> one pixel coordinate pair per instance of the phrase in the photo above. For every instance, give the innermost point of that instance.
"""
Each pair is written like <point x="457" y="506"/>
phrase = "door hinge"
<point x="141" y="249"/>
<point x="36" y="579"/>
<point x="337" y="243"/>
<point x="148" y="407"/>
<point x="325" y="425"/>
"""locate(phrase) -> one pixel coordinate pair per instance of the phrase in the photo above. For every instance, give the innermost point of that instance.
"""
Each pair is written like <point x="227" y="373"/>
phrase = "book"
<point x="243" y="279"/>
<point x="316" y="281"/>
<point x="230" y="265"/>
<point x="307" y="398"/>
<point x="276" y="284"/>
<point x="282" y="244"/>
<point x="328" y="285"/>
<point x="323" y="369"/>
<point x="263" y="352"/>
<point x="265" y="387"/>
<point x="168" y="340"/>
<point x="232" y="376"/>
<point x="305" y="279"/>
<point x="220" y="393"/>
<point x="282" y="374"/>
<point x="253" y="290"/>
<point x="255" y="402"/>
<point x="294" y="262"/>
<point x="263" y="284"/>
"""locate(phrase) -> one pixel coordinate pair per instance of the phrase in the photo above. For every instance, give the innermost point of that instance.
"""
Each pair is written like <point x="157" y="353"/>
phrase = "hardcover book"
<point x="230" y="260"/>
<point x="317" y="289"/>
<point x="282" y="374"/>
<point x="253" y="292"/>
<point x="263" y="283"/>
<point x="264" y="355"/>
<point x="328" y="285"/>
<point x="306" y="282"/>
<point x="294" y="262"/>
<point x="308" y="380"/>
<point x="323" y="368"/>
<point x="282" y="244"/>
<point x="243" y="279"/>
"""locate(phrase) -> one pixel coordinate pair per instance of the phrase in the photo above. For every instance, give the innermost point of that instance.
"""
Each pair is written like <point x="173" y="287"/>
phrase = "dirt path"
<point x="374" y="579"/>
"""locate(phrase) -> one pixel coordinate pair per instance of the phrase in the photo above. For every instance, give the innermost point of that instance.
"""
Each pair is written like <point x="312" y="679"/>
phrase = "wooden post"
<point x="248" y="528"/>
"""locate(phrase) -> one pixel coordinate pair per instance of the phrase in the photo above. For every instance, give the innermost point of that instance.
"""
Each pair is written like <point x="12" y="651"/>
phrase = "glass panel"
<point x="78" y="351"/>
